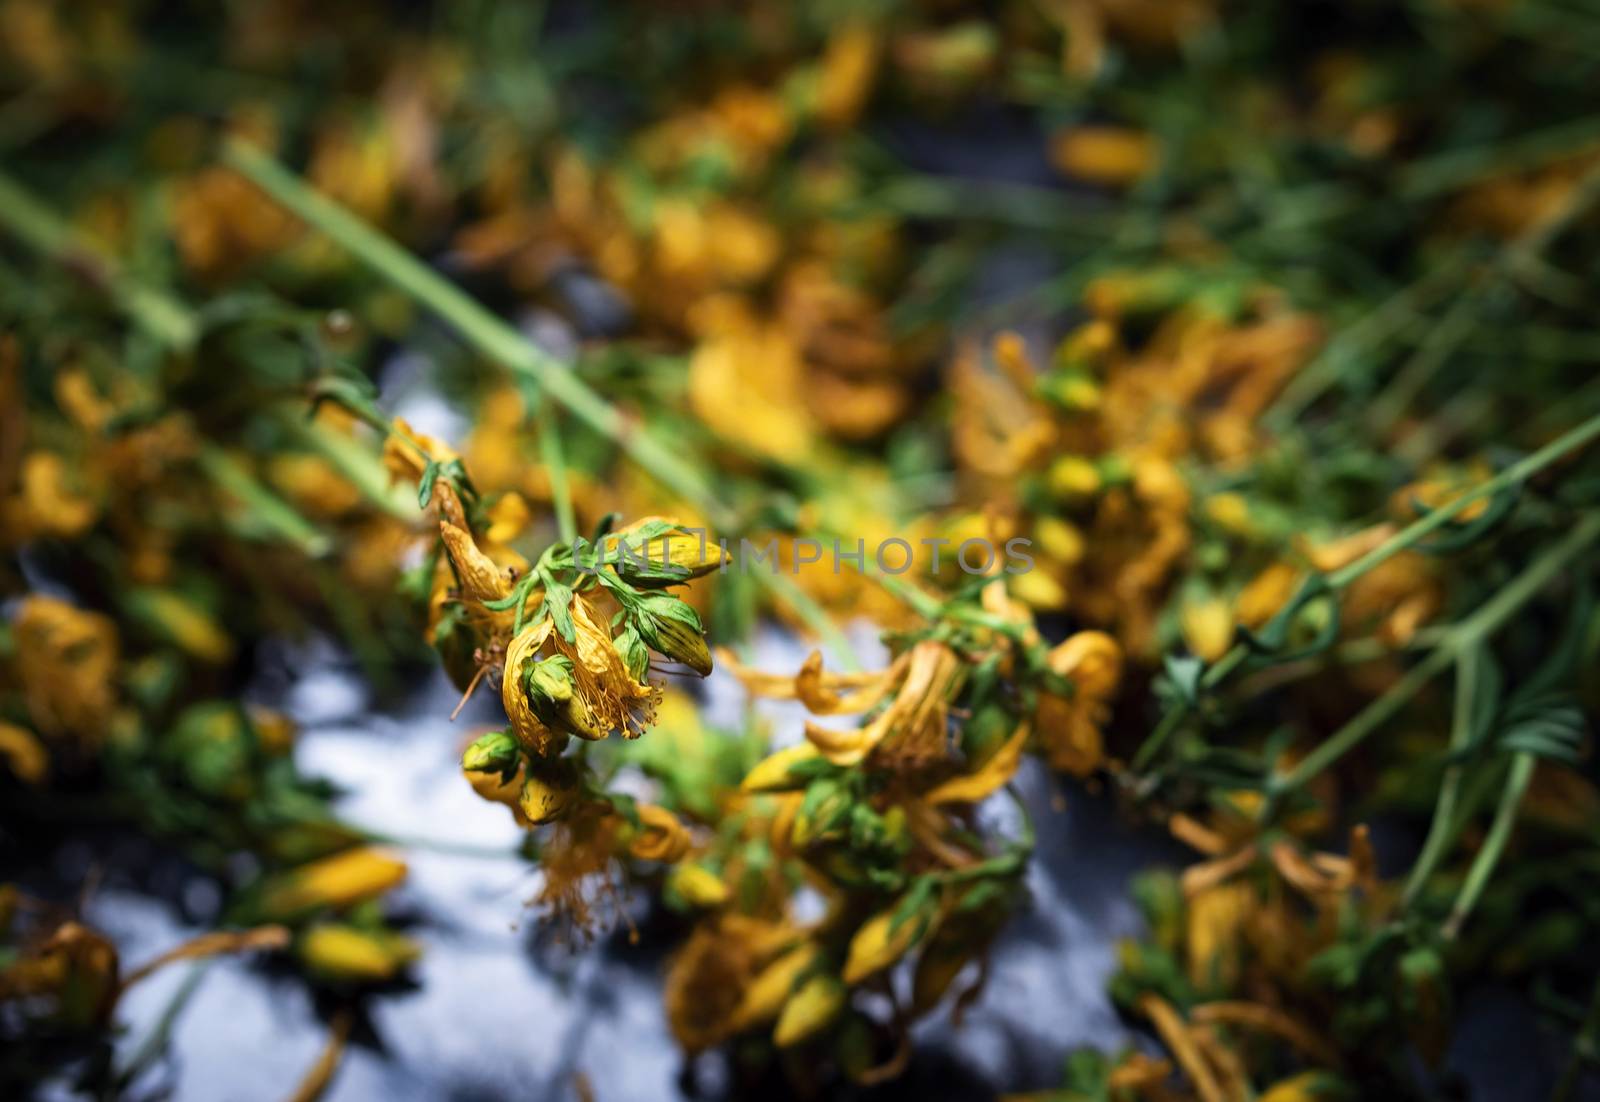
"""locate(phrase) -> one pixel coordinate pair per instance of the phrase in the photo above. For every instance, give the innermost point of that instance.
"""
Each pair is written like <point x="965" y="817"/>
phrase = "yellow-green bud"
<point x="1072" y="478"/>
<point x="810" y="1010"/>
<point x="672" y="628"/>
<point x="495" y="752"/>
<point x="553" y="695"/>
<point x="658" y="552"/>
<point x="549" y="791"/>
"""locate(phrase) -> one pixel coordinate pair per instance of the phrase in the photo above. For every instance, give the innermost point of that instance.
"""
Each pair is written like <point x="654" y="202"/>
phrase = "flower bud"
<point x="348" y="954"/>
<point x="882" y="940"/>
<point x="335" y="882"/>
<point x="554" y="697"/>
<point x="549" y="791"/>
<point x="495" y="752"/>
<point x="1072" y="478"/>
<point x="765" y="995"/>
<point x="672" y="628"/>
<point x="655" y="552"/>
<point x="779" y="772"/>
<point x="697" y="885"/>
<point x="809" y="1011"/>
<point x="825" y="809"/>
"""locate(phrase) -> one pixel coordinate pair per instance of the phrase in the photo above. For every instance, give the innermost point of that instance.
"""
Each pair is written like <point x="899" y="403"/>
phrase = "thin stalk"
<point x="1440" y="831"/>
<point x="489" y="334"/>
<point x="1379" y="324"/>
<point x="1457" y="168"/>
<point x="151" y="1048"/>
<point x="358" y="464"/>
<point x="41" y="229"/>
<point x="1475" y="629"/>
<point x="1405" y="539"/>
<point x="267" y="509"/>
<point x="1436" y="348"/>
<point x="1447" y="336"/>
<point x="1368" y="720"/>
<point x="1505" y="817"/>
<point x="553" y="456"/>
<point x="1419" y="530"/>
<point x="499" y="341"/>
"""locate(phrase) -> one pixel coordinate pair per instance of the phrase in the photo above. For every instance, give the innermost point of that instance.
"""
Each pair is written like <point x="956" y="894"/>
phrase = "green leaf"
<point x="430" y="475"/>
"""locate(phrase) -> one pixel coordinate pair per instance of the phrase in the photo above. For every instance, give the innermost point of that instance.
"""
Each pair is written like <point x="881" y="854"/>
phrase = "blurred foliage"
<point x="1282" y="431"/>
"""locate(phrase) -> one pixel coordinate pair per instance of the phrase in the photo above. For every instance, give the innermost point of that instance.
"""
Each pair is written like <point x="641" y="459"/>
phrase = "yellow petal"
<point x="336" y="882"/>
<point x="346" y="953"/>
<point x="765" y="996"/>
<point x="985" y="781"/>
<point x="809" y="1011"/>
<point x="879" y="942"/>
<point x="23" y="753"/>
<point x="773" y="773"/>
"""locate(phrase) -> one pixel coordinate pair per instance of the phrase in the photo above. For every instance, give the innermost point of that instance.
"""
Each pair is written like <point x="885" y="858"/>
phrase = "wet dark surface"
<point x="496" y="1010"/>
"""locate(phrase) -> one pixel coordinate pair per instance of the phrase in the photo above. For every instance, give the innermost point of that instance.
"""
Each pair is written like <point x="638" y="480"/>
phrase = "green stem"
<point x="161" y="1035"/>
<point x="1469" y="633"/>
<point x="489" y="334"/>
<point x="1406" y="538"/>
<point x="1454" y="328"/>
<point x="1371" y="329"/>
<point x="553" y="456"/>
<point x="1368" y="720"/>
<point x="41" y="229"/>
<point x="358" y="464"/>
<point x="1494" y="845"/>
<point x="497" y="340"/>
<point x="1445" y="171"/>
<point x="1440" y="831"/>
<point x="1419" y="530"/>
<point x="266" y="509"/>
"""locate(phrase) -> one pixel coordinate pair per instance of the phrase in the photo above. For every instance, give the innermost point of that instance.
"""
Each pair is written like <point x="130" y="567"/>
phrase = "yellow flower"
<point x="880" y="941"/>
<point x="765" y="995"/>
<point x="333" y="882"/>
<point x="67" y="661"/>
<point x="312" y="483"/>
<point x="481" y="580"/>
<point x="23" y="753"/>
<point x="1215" y="931"/>
<point x="809" y="1011"/>
<point x="1109" y="155"/>
<point x="584" y="688"/>
<point x="52" y="506"/>
<point x="848" y="67"/>
<point x="1207" y="625"/>
<point x="1265" y="594"/>
<point x="913" y="727"/>
<point x="1072" y="478"/>
<point x="1069" y="727"/>
<point x="349" y="954"/>
<point x="987" y="779"/>
<point x="747" y="385"/>
<point x="530" y="730"/>
<point x="697" y="885"/>
<point x="661" y="837"/>
<point x="406" y="452"/>
<point x="549" y="791"/>
<point x="774" y="773"/>
<point x="712" y="979"/>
